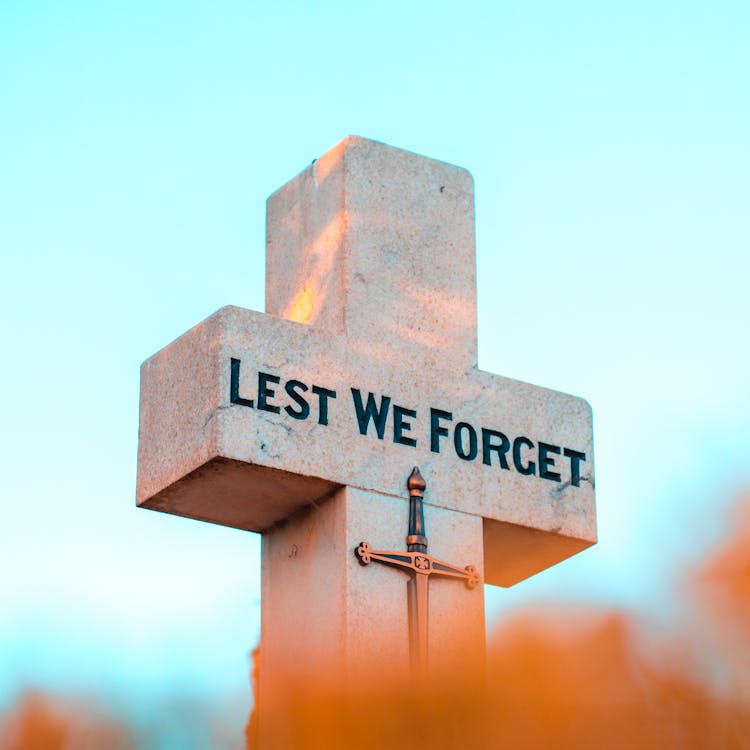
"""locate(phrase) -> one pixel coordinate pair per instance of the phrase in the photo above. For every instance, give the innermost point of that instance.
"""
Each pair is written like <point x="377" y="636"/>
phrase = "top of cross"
<point x="377" y="243"/>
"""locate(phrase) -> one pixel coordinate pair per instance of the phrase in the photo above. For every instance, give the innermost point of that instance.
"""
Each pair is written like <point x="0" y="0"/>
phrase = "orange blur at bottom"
<point x="36" y="726"/>
<point x="559" y="679"/>
<point x="39" y="722"/>
<point x="442" y="712"/>
<point x="556" y="681"/>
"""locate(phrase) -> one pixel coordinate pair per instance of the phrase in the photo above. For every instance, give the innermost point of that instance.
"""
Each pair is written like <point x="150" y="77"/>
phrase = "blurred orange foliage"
<point x="34" y="725"/>
<point x="590" y="682"/>
<point x="38" y="722"/>
<point x="723" y="585"/>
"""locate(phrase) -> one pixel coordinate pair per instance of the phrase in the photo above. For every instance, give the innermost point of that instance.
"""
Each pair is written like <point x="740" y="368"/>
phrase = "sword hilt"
<point x="420" y="566"/>
<point x="416" y="541"/>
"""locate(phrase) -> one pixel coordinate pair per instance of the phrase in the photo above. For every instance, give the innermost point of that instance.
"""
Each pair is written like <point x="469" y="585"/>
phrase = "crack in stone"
<point x="213" y="413"/>
<point x="564" y="486"/>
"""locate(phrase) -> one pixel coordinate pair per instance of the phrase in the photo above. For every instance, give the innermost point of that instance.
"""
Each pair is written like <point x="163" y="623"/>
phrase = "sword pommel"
<point x="416" y="483"/>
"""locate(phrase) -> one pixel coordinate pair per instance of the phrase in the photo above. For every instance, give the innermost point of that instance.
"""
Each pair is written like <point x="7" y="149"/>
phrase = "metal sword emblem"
<point x="420" y="566"/>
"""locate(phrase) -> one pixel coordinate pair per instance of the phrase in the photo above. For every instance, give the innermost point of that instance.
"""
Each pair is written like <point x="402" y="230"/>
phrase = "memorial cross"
<point x="302" y="423"/>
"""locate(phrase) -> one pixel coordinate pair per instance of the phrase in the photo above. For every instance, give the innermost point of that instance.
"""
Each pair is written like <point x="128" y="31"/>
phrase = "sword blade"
<point x="417" y="590"/>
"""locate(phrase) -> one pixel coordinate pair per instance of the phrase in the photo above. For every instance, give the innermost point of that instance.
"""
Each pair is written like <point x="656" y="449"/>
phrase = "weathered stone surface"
<point x="197" y="449"/>
<point x="327" y="621"/>
<point x="377" y="243"/>
<point x="310" y="568"/>
<point x="370" y="262"/>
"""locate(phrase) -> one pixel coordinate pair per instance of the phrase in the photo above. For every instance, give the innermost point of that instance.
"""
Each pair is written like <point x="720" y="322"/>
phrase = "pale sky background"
<point x="610" y="147"/>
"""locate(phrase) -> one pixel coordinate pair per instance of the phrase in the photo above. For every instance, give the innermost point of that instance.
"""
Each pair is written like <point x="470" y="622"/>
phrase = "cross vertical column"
<point x="327" y="622"/>
<point x="377" y="245"/>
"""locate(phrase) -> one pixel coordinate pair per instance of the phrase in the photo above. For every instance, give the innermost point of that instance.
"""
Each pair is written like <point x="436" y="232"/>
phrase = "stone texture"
<point x="187" y="423"/>
<point x="328" y="620"/>
<point x="377" y="243"/>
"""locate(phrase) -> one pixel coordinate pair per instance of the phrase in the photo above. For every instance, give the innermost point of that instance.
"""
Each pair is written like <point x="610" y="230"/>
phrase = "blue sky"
<point x="610" y="146"/>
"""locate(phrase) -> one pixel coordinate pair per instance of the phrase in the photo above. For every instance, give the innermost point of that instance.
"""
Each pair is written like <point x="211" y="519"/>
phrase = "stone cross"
<point x="303" y="423"/>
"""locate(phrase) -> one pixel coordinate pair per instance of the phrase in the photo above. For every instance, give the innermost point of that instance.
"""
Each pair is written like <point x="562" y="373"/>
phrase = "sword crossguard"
<point x="418" y="563"/>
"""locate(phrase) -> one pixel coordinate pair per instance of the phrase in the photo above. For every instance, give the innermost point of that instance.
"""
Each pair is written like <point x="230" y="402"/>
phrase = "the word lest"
<point x="299" y="408"/>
